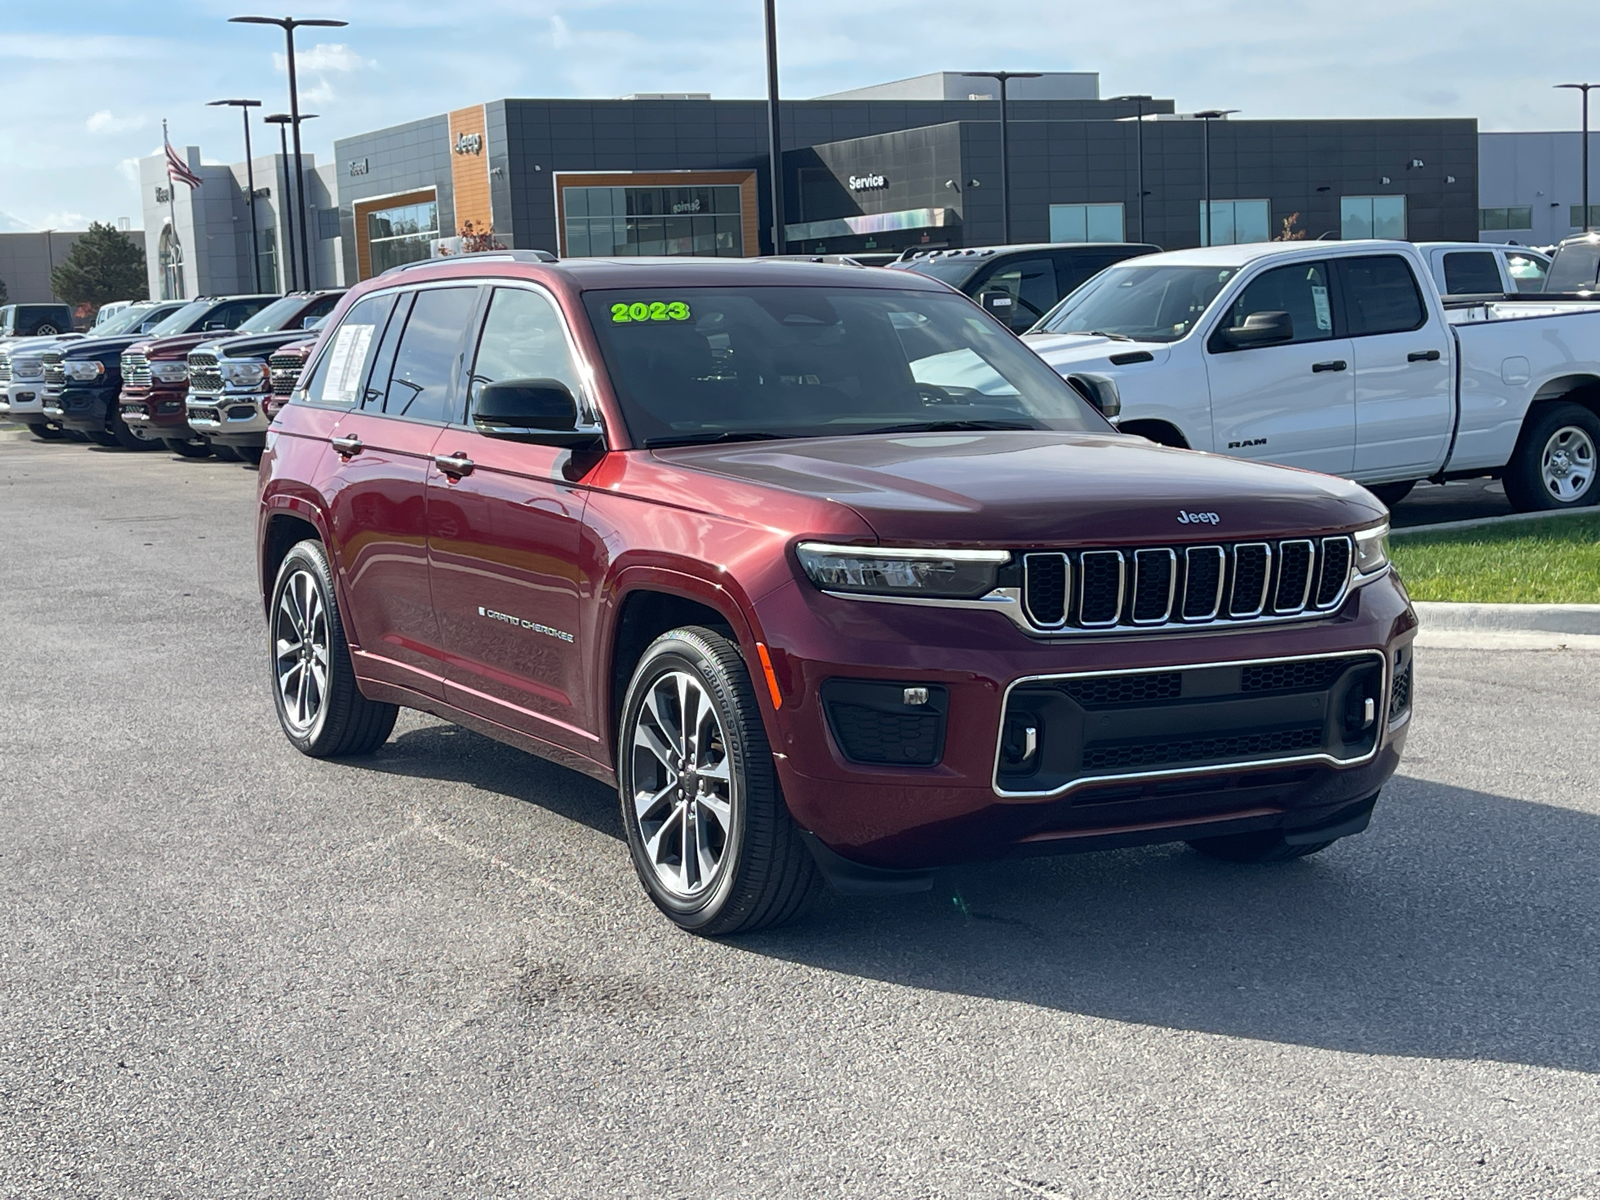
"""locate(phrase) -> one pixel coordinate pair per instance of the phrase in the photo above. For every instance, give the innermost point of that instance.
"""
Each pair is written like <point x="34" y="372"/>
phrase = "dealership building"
<point x="910" y="163"/>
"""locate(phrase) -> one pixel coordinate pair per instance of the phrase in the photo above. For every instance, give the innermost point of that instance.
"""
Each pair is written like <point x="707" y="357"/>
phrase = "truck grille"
<point x="55" y="375"/>
<point x="1184" y="585"/>
<point x="5" y="367"/>
<point x="135" y="371"/>
<point x="1060" y="732"/>
<point x="285" y="372"/>
<point x="205" y="376"/>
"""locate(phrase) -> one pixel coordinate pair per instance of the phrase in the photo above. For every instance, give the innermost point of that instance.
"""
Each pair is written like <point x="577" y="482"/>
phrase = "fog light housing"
<point x="887" y="724"/>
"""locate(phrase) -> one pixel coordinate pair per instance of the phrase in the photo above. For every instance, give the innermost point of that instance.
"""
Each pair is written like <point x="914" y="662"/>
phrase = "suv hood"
<point x="94" y="347"/>
<point x="176" y="345"/>
<point x="1079" y="350"/>
<point x="1042" y="489"/>
<point x="254" y="345"/>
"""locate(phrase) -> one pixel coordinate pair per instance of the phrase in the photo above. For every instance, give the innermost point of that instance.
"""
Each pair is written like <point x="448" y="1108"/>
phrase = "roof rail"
<point x="538" y="256"/>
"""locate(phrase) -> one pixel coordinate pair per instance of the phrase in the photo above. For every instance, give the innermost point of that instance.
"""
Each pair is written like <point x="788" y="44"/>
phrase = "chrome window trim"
<point x="1172" y="586"/>
<point x="1066" y="588"/>
<point x="1311" y="577"/>
<point x="1222" y="583"/>
<point x="1122" y="588"/>
<point x="1266" y="581"/>
<point x="1217" y="769"/>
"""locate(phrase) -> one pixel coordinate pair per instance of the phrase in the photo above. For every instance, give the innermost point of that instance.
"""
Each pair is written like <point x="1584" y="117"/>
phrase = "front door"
<point x="1291" y="402"/>
<point x="1404" y="370"/>
<point x="504" y="526"/>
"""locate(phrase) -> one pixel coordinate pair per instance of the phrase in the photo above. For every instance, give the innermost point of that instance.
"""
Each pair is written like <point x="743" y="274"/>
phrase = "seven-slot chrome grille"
<point x="205" y="376"/>
<point x="285" y="372"/>
<point x="135" y="370"/>
<point x="55" y="375"/>
<point x="5" y="367"/>
<point x="1068" y="591"/>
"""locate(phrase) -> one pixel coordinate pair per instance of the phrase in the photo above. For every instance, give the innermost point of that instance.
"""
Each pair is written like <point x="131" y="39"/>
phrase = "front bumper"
<point x="232" y="418"/>
<point x="964" y="807"/>
<point x="155" y="414"/>
<point x="23" y="400"/>
<point x="81" y="408"/>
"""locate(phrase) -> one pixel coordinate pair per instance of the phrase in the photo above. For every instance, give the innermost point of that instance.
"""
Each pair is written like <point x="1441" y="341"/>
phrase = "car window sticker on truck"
<point x="348" y="356"/>
<point x="1319" y="298"/>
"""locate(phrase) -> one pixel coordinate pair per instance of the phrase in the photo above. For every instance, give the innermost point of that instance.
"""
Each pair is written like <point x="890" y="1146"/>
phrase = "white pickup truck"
<point x="1341" y="357"/>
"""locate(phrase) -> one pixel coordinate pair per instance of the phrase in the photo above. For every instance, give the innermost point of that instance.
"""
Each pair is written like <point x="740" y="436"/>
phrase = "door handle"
<point x="347" y="445"/>
<point x="1335" y="364"/>
<point x="1423" y="356"/>
<point x="454" y="465"/>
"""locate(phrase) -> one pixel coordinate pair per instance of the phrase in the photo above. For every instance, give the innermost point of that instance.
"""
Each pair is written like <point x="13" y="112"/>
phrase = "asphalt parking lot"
<point x="227" y="970"/>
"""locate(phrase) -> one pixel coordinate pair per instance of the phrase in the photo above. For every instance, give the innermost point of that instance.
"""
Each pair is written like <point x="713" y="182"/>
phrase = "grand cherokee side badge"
<point x="519" y="623"/>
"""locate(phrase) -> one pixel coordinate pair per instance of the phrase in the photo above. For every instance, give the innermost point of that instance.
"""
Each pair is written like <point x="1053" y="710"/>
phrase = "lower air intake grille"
<point x="1101" y="691"/>
<point x="1305" y="675"/>
<point x="872" y="723"/>
<point x="1196" y="750"/>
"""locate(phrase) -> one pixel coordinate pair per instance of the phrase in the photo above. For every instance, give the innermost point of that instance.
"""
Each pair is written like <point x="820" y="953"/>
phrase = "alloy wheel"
<point x="301" y="650"/>
<point x="1568" y="463"/>
<point x="682" y="785"/>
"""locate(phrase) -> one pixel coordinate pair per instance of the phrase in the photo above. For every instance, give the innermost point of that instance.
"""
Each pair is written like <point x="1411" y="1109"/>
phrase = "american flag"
<point x="178" y="169"/>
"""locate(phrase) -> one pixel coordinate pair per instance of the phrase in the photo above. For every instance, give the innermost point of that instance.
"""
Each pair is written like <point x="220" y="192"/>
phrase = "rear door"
<point x="504" y="529"/>
<point x="1403" y="366"/>
<point x="1290" y="403"/>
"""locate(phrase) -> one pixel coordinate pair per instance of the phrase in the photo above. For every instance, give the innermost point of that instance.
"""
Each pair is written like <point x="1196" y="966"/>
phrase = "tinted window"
<point x="1380" y="295"/>
<point x="423" y="378"/>
<point x="1471" y="273"/>
<point x="1031" y="284"/>
<point x="1300" y="290"/>
<point x="378" y="373"/>
<point x="233" y="314"/>
<point x="337" y="376"/>
<point x="522" y="339"/>
<point x="1073" y="270"/>
<point x="1574" y="268"/>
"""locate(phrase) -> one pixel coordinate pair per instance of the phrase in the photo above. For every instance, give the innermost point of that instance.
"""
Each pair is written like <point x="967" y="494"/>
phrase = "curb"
<point x="1577" y="619"/>
<point x="1482" y="522"/>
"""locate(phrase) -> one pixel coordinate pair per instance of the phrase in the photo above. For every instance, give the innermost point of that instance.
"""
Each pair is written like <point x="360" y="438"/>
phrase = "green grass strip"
<point x="1554" y="561"/>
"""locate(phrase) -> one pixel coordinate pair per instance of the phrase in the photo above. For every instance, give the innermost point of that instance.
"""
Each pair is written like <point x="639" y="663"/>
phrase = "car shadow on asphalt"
<point x="1462" y="925"/>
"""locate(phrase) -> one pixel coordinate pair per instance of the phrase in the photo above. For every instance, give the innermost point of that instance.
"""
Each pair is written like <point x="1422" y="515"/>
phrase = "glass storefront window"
<point x="1086" y="223"/>
<point x="170" y="259"/>
<point x="1506" y="218"/>
<point x="1236" y="222"/>
<point x="1575" y="217"/>
<point x="606" y="222"/>
<point x="401" y="235"/>
<point x="1372" y="217"/>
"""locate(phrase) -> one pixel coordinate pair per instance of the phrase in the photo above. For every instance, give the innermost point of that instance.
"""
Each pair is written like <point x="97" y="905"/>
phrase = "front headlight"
<point x="83" y="371"/>
<point x="886" y="571"/>
<point x="169" y="372"/>
<point x="1372" y="549"/>
<point x="246" y="374"/>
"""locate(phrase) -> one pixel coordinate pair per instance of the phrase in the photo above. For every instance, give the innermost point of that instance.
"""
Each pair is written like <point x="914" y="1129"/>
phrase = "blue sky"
<point x="84" y="87"/>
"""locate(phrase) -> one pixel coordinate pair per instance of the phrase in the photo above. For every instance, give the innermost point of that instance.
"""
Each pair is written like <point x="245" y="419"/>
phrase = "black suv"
<point x="35" y="320"/>
<point x="1019" y="284"/>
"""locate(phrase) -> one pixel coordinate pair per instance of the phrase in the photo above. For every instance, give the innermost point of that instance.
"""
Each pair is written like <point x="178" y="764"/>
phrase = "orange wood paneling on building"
<point x="377" y="204"/>
<point x="469" y="169"/>
<point x="750" y="221"/>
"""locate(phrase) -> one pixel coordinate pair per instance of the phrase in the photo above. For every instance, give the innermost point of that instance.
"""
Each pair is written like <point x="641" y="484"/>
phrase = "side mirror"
<point x="541" y="411"/>
<point x="1259" y="329"/>
<point x="310" y="322"/>
<point x="998" y="302"/>
<point x="1100" y="391"/>
<point x="209" y="326"/>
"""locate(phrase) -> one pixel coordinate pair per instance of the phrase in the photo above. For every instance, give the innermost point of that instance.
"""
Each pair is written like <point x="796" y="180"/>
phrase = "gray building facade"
<point x="27" y="259"/>
<point x="1530" y="188"/>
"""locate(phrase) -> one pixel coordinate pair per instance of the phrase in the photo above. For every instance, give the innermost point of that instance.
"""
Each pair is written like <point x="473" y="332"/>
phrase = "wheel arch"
<point x="1163" y="433"/>
<point x="281" y="530"/>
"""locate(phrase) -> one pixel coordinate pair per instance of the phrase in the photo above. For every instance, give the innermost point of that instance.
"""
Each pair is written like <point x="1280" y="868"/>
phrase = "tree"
<point x="1290" y="233"/>
<point x="104" y="265"/>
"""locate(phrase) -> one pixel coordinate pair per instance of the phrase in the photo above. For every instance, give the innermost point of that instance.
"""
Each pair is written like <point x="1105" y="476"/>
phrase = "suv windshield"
<point x="1149" y="304"/>
<point x="954" y="271"/>
<point x="274" y="316"/>
<point x="180" y="321"/>
<point x="123" y="322"/>
<point x="727" y="364"/>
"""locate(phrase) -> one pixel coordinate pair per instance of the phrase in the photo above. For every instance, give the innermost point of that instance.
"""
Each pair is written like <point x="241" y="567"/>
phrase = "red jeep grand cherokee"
<point x="823" y="569"/>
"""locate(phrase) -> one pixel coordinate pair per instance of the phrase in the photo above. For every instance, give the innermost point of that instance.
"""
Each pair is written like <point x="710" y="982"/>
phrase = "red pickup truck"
<point x="820" y="567"/>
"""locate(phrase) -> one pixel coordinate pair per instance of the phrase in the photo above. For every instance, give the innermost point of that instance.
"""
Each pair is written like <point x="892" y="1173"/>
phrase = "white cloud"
<point x="560" y="33"/>
<point x="324" y="56"/>
<point x="128" y="168"/>
<point x="65" y="220"/>
<point x="10" y="224"/>
<point x="104" y="122"/>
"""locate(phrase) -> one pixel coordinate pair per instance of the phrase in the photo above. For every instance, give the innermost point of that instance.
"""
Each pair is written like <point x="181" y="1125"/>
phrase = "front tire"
<point x="1392" y="493"/>
<point x="46" y="432"/>
<point x="710" y="836"/>
<point x="1555" y="463"/>
<point x="198" y="448"/>
<point x="320" y="706"/>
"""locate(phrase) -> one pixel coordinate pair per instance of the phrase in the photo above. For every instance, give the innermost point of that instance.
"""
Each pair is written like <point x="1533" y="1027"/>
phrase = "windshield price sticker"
<point x="651" y="310"/>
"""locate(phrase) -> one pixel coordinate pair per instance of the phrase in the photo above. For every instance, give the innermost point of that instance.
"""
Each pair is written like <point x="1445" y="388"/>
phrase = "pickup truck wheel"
<point x="46" y="432"/>
<point x="225" y="453"/>
<point x="321" y="709"/>
<point x="125" y="437"/>
<point x="1392" y="493"/>
<point x="198" y="448"/>
<point x="1266" y="846"/>
<point x="101" y="437"/>
<point x="1555" y="462"/>
<point x="710" y="836"/>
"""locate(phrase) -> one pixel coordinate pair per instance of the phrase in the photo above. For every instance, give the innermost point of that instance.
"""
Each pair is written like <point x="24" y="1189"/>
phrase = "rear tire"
<point x="199" y="448"/>
<point x="101" y="437"/>
<point x="1265" y="846"/>
<point x="250" y="454"/>
<point x="719" y="854"/>
<point x="320" y="706"/>
<point x="1555" y="462"/>
<point x="1392" y="493"/>
<point x="125" y="437"/>
<point x="46" y="432"/>
<point x="225" y="453"/>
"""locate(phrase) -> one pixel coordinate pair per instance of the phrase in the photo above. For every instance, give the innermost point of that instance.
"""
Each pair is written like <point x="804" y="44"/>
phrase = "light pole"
<point x="774" y="142"/>
<point x="1005" y="142"/>
<point x="1584" y="88"/>
<point x="289" y="25"/>
<point x="291" y="281"/>
<point x="244" y="106"/>
<point x="1139" y="141"/>
<point x="1208" y="116"/>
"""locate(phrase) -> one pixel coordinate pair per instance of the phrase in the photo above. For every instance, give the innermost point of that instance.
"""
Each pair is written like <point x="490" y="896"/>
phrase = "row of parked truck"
<point x="197" y="377"/>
